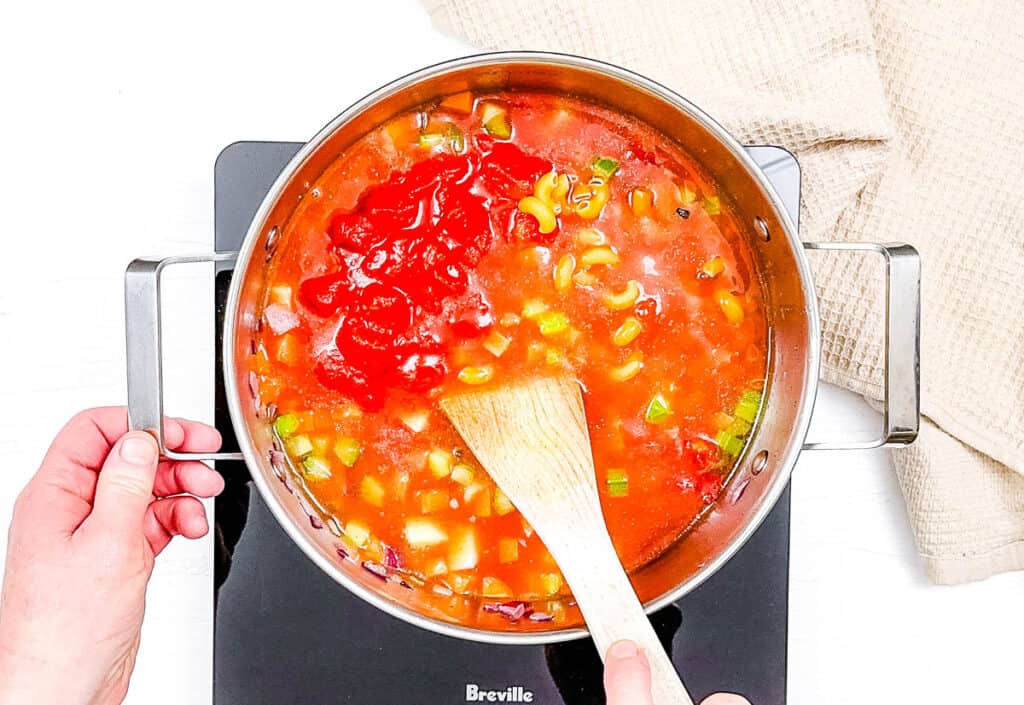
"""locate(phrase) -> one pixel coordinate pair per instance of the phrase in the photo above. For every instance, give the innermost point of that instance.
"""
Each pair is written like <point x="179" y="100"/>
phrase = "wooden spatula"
<point x="532" y="438"/>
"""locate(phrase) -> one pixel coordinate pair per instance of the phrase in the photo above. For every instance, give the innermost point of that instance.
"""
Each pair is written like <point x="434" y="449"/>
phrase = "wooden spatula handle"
<point x="613" y="611"/>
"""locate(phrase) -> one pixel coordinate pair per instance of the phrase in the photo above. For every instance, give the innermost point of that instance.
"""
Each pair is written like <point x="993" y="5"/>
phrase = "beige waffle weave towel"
<point x="907" y="117"/>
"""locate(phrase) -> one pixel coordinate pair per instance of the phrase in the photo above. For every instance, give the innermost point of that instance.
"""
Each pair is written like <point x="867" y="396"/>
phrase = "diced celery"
<point x="657" y="409"/>
<point x="463" y="553"/>
<point x="357" y="532"/>
<point x="551" y="323"/>
<point x="429" y="140"/>
<point x="299" y="446"/>
<point x="440" y="462"/>
<point x="462" y="474"/>
<point x="348" y="451"/>
<point x="604" y="167"/>
<point x="712" y="205"/>
<point x="421" y="532"/>
<point x="315" y="468"/>
<point x="499" y="126"/>
<point x="729" y="444"/>
<point x="739" y="427"/>
<point x="618" y="490"/>
<point x="748" y="405"/>
<point x="286" y="425"/>
<point x="508" y="550"/>
<point x="372" y="491"/>
<point x="618" y="483"/>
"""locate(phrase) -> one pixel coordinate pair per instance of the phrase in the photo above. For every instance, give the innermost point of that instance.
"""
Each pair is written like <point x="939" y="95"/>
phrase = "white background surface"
<point x="112" y="116"/>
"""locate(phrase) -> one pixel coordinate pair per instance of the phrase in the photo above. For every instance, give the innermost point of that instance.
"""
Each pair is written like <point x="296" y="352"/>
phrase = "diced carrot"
<point x="480" y="504"/>
<point x="459" y="103"/>
<point x="433" y="501"/>
<point x="508" y="550"/>
<point x="289" y="349"/>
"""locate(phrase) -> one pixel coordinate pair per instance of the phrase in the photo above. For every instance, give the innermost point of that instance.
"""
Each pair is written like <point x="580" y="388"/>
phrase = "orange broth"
<point x="644" y="290"/>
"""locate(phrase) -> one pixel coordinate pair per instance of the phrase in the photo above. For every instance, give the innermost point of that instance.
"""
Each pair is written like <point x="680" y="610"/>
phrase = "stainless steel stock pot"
<point x="792" y="311"/>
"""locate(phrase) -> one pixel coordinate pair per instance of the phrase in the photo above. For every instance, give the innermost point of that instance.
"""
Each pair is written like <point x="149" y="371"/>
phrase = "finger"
<point x="190" y="436"/>
<point x="85" y="440"/>
<point x="124" y="488"/>
<point x="190" y="477"/>
<point x="725" y="699"/>
<point x="176" y="516"/>
<point x="627" y="675"/>
<point x="79" y="450"/>
<point x="82" y="446"/>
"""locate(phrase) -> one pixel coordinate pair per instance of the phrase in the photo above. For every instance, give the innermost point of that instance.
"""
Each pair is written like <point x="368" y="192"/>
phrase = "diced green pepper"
<point x="286" y="425"/>
<point x="604" y="167"/>
<point x="314" y="468"/>
<point x="657" y="409"/>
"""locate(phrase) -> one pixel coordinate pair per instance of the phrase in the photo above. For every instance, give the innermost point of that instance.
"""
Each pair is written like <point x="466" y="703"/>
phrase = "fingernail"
<point x="137" y="451"/>
<point x="621" y="650"/>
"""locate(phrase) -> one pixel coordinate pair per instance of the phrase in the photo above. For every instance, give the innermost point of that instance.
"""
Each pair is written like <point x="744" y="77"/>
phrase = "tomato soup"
<point x="486" y="238"/>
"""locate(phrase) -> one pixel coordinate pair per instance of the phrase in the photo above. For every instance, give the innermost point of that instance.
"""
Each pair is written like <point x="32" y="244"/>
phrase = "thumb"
<point x="627" y="675"/>
<point x="124" y="488"/>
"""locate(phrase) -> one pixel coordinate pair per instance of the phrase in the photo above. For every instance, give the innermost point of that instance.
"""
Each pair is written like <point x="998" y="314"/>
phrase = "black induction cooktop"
<point x="286" y="634"/>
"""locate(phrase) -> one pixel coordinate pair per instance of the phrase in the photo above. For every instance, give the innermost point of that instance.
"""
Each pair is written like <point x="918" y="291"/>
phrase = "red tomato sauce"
<point x="488" y="238"/>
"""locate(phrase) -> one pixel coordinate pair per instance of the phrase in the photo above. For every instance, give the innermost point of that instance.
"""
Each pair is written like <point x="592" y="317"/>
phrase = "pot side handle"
<point x="902" y="399"/>
<point x="145" y="351"/>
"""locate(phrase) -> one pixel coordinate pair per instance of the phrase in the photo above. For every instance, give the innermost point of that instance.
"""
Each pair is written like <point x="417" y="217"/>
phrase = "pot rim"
<point x="786" y="461"/>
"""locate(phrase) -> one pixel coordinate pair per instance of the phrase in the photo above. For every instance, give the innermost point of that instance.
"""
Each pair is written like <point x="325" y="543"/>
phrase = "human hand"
<point x="83" y="537"/>
<point x="627" y="679"/>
